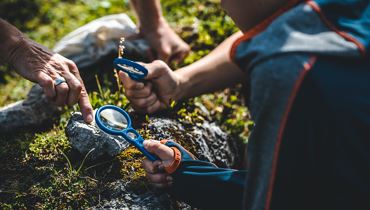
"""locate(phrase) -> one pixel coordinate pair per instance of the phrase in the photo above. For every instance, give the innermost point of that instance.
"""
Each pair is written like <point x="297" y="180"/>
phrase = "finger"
<point x="161" y="150"/>
<point x="158" y="105"/>
<point x="150" y="166"/>
<point x="143" y="103"/>
<point x="164" y="53"/>
<point x="143" y="93"/>
<point x="61" y="94"/>
<point x="75" y="88"/>
<point x="155" y="69"/>
<point x="157" y="178"/>
<point x="152" y="108"/>
<point x="129" y="83"/>
<point x="179" y="55"/>
<point x="85" y="106"/>
<point x="47" y="84"/>
<point x="83" y="98"/>
<point x="176" y="57"/>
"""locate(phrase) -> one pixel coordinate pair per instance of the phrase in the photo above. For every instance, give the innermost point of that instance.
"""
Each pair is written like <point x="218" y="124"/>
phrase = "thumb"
<point x="155" y="69"/>
<point x="164" y="152"/>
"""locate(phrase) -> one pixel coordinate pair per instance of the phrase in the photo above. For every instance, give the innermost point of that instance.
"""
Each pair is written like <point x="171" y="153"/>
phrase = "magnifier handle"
<point x="132" y="75"/>
<point x="149" y="155"/>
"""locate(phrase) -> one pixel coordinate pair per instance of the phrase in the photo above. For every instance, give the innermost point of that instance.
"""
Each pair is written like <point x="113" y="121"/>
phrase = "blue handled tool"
<point x="115" y="121"/>
<point x="134" y="70"/>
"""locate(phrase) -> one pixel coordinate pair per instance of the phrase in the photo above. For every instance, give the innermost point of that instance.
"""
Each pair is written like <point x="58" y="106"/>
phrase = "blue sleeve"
<point x="201" y="184"/>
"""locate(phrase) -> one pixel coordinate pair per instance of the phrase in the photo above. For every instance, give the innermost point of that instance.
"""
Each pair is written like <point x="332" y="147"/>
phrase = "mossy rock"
<point x="205" y="139"/>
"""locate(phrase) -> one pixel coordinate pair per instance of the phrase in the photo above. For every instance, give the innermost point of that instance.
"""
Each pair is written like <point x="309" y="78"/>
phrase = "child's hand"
<point x="160" y="87"/>
<point x="155" y="172"/>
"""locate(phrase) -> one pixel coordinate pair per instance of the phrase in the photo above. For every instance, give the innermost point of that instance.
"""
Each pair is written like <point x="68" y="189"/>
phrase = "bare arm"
<point x="149" y="14"/>
<point x="9" y="38"/>
<point x="155" y="29"/>
<point x="214" y="72"/>
<point x="248" y="13"/>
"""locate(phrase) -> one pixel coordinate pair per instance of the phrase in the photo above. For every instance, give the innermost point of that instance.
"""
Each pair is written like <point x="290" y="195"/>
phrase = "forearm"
<point x="10" y="38"/>
<point x="149" y="14"/>
<point x="213" y="72"/>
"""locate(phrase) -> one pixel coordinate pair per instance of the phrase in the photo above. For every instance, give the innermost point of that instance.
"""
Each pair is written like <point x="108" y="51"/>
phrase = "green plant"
<point x="46" y="146"/>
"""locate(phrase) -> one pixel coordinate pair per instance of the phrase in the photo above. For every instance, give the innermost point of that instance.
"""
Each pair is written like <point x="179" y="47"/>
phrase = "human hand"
<point x="155" y="172"/>
<point x="160" y="87"/>
<point x="165" y="42"/>
<point x="37" y="64"/>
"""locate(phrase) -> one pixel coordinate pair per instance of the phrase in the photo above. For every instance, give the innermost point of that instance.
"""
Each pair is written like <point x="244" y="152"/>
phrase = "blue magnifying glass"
<point x="115" y="121"/>
<point x="134" y="70"/>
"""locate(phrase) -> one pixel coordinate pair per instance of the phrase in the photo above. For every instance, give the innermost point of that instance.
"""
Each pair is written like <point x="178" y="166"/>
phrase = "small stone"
<point x="85" y="137"/>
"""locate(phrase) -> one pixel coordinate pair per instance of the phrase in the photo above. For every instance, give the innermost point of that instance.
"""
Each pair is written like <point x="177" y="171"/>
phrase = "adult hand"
<point x="155" y="172"/>
<point x="37" y="64"/>
<point x="166" y="43"/>
<point x="161" y="86"/>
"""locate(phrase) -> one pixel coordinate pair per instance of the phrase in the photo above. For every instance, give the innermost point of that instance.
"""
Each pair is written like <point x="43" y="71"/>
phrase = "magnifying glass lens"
<point x="113" y="119"/>
<point x="131" y="69"/>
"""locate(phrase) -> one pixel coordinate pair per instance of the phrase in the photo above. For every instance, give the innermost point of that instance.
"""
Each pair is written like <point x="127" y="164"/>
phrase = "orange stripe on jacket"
<point x="261" y="26"/>
<point x="306" y="68"/>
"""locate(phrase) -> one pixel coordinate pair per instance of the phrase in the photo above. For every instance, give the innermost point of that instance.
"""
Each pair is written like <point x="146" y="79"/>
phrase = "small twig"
<point x="99" y="86"/>
<point x="68" y="161"/>
<point x="121" y="47"/>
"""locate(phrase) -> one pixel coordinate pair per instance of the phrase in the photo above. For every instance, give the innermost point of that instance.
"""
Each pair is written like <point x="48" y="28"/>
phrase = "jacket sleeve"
<point x="202" y="184"/>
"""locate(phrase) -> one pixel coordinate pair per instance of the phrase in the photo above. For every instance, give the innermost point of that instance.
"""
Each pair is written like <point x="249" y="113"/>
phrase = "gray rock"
<point x="84" y="137"/>
<point x="206" y="140"/>
<point x="32" y="113"/>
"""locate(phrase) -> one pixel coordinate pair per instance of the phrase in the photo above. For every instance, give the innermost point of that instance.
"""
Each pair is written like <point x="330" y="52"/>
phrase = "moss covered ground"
<point x="38" y="169"/>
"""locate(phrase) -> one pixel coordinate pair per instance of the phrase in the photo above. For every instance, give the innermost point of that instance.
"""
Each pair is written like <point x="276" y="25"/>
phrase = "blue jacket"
<point x="310" y="99"/>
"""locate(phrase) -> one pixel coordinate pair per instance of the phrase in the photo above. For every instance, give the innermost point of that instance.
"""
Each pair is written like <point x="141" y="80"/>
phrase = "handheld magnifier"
<point x="134" y="70"/>
<point x="115" y="121"/>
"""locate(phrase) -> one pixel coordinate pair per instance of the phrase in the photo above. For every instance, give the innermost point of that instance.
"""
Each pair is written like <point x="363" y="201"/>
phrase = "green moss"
<point x="13" y="89"/>
<point x="131" y="168"/>
<point x="64" y="189"/>
<point x="47" y="146"/>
